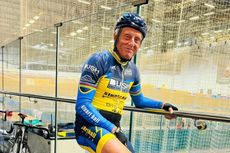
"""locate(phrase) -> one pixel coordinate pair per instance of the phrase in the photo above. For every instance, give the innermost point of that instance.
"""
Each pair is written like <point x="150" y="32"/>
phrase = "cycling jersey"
<point x="105" y="84"/>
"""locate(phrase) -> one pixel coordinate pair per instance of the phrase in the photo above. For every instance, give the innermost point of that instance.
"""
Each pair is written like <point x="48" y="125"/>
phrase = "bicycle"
<point x="19" y="142"/>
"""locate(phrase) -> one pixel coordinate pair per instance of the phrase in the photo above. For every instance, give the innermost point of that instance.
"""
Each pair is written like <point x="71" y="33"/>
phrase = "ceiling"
<point x="22" y="17"/>
<point x="171" y="23"/>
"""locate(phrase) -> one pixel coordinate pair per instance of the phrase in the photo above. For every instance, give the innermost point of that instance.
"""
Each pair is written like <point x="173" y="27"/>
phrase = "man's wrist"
<point x="118" y="130"/>
<point x="114" y="129"/>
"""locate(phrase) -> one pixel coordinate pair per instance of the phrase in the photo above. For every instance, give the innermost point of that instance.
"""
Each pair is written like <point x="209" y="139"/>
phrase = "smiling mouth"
<point x="129" y="50"/>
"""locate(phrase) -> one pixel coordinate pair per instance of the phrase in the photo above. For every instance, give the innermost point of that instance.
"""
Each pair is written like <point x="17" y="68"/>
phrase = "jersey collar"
<point x="118" y="59"/>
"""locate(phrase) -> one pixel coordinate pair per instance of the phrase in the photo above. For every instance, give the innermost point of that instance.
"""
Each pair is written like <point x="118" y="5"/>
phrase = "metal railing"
<point x="186" y="114"/>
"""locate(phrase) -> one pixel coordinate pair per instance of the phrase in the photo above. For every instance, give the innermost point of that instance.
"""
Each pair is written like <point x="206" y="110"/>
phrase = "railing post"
<point x="58" y="25"/>
<point x="20" y="71"/>
<point x="3" y="77"/>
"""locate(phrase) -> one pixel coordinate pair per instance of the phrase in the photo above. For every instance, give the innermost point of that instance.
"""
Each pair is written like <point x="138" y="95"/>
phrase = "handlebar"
<point x="45" y="134"/>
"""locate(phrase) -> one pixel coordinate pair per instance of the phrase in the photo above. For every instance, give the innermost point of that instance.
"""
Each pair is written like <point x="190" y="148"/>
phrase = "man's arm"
<point x="85" y="109"/>
<point x="144" y="102"/>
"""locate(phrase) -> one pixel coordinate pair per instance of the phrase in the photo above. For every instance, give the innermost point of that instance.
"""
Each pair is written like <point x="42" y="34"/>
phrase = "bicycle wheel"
<point x="15" y="146"/>
<point x="25" y="149"/>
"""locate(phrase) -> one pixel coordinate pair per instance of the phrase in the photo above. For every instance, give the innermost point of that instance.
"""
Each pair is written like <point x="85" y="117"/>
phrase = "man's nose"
<point x="132" y="42"/>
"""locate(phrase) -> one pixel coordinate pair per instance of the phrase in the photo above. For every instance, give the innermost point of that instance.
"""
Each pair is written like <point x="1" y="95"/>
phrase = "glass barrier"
<point x="11" y="78"/>
<point x="38" y="62"/>
<point x="154" y="133"/>
<point x="180" y="66"/>
<point x="1" y="68"/>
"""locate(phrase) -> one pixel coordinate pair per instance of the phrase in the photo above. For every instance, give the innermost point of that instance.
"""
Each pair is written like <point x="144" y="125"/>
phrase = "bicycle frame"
<point x="21" y="137"/>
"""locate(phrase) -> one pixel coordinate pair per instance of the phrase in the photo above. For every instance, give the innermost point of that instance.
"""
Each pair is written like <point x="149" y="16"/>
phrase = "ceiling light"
<point x="209" y="13"/>
<point x="180" y="21"/>
<point x="186" y="43"/>
<point x="156" y="20"/>
<point x="209" y="5"/>
<point x="80" y="38"/>
<point x="36" y="17"/>
<point x="218" y="31"/>
<point x="205" y="33"/>
<point x="73" y="34"/>
<point x="38" y="30"/>
<point x="105" y="28"/>
<point x="85" y="28"/>
<point x="84" y="2"/>
<point x="106" y="7"/>
<point x="27" y="25"/>
<point x="31" y="21"/>
<point x="79" y="31"/>
<point x="170" y="41"/>
<point x="194" y="18"/>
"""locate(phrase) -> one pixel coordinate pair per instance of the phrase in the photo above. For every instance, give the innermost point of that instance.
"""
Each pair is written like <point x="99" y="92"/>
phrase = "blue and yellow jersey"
<point x="105" y="84"/>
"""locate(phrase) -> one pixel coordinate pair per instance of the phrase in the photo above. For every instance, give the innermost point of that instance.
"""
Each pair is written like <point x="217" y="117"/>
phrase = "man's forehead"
<point x="127" y="30"/>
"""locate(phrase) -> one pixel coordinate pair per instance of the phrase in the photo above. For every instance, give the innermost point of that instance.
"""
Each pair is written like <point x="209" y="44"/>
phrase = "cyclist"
<point x="107" y="79"/>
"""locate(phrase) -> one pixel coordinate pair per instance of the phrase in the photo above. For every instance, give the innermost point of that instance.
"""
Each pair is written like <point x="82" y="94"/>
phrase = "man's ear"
<point x="114" y="36"/>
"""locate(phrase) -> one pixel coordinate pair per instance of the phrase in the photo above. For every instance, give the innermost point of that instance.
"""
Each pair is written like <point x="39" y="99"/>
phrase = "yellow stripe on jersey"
<point x="135" y="94"/>
<point x="88" y="87"/>
<point x="87" y="148"/>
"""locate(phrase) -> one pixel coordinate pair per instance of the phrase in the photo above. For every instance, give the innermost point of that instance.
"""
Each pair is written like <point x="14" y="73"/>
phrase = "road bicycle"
<point x="19" y="143"/>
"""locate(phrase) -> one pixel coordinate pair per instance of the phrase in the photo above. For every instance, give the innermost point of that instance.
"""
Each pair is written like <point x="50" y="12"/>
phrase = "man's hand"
<point x="121" y="136"/>
<point x="170" y="108"/>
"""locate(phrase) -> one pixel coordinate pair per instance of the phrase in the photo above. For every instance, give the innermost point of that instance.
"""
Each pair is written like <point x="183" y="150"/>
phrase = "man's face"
<point x="128" y="42"/>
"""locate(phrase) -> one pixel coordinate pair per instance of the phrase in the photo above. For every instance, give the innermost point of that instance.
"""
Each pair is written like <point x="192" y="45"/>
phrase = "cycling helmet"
<point x="132" y="20"/>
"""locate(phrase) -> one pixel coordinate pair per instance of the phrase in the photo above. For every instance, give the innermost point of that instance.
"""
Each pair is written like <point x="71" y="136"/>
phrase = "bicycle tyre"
<point x="25" y="149"/>
<point x="15" y="147"/>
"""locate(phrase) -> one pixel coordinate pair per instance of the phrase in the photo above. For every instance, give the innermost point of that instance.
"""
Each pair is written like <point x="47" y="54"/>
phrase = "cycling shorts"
<point x="91" y="138"/>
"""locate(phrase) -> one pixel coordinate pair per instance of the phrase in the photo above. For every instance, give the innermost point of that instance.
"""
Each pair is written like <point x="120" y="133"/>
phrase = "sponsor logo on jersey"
<point x="91" y="68"/>
<point x="118" y="85"/>
<point x="87" y="78"/>
<point x="128" y="72"/>
<point x="110" y="95"/>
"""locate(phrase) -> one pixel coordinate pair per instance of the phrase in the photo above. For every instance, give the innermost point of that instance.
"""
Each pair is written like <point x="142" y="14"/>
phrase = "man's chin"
<point x="128" y="58"/>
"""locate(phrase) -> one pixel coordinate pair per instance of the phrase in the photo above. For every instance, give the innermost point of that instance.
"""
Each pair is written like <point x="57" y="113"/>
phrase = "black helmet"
<point x="132" y="20"/>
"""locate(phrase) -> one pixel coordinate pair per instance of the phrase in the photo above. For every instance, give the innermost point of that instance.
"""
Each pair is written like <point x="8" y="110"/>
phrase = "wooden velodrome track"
<point x="44" y="84"/>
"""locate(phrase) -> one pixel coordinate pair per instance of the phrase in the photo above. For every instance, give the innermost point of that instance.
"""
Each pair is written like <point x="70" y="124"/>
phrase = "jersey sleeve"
<point x="138" y="98"/>
<point x="91" y="73"/>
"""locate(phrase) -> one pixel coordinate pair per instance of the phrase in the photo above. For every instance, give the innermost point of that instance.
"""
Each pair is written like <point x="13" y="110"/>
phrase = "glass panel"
<point x="38" y="62"/>
<point x="153" y="133"/>
<point x="1" y="78"/>
<point x="11" y="66"/>
<point x="179" y="63"/>
<point x="1" y="73"/>
<point x="11" y="55"/>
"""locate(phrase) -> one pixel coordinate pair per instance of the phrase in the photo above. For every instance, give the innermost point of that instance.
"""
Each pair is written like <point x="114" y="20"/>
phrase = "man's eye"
<point x="137" y="40"/>
<point x="127" y="37"/>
